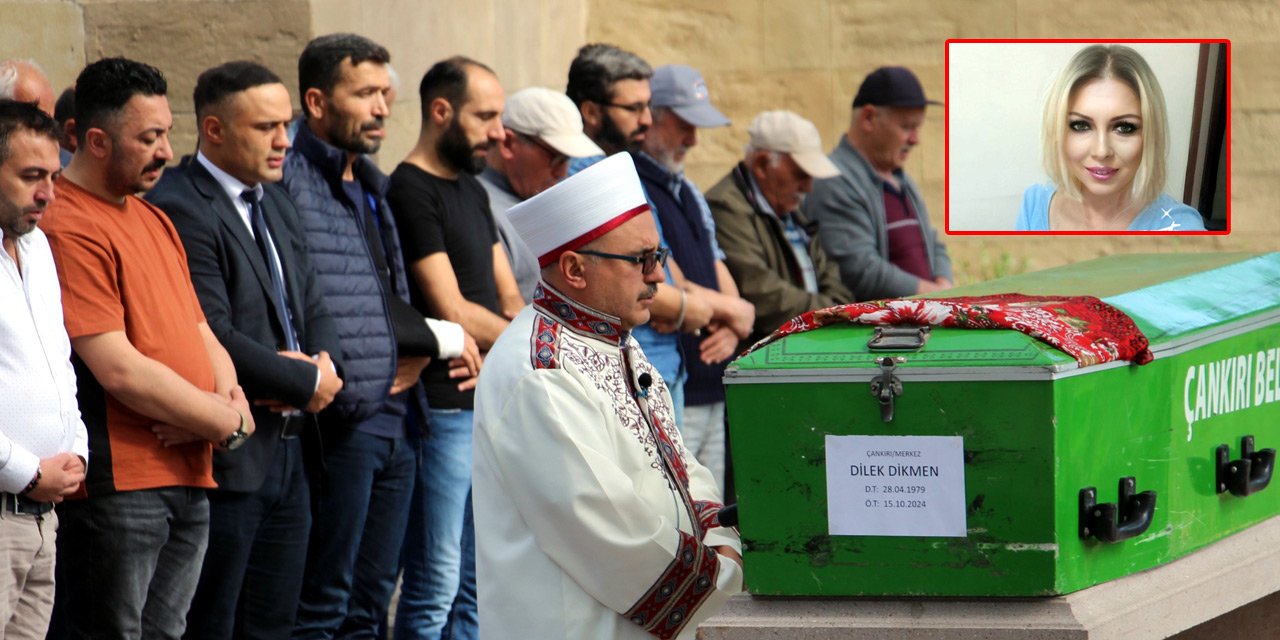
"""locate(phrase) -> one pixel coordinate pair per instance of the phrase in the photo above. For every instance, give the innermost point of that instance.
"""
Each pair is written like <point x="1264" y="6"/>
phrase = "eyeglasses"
<point x="556" y="156"/>
<point x="636" y="108"/>
<point x="649" y="259"/>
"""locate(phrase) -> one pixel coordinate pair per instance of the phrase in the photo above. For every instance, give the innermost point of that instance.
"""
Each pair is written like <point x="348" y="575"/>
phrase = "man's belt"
<point x="291" y="425"/>
<point x="20" y="504"/>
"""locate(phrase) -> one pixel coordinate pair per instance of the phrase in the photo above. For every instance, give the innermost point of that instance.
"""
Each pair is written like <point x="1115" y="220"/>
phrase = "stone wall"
<point x="804" y="55"/>
<point x="526" y="41"/>
<point x="810" y="55"/>
<point x="180" y="38"/>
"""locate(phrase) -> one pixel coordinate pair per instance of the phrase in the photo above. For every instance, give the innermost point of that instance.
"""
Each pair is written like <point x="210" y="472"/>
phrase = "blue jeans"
<point x="677" y="400"/>
<point x="432" y="557"/>
<point x="133" y="558"/>
<point x="257" y="550"/>
<point x="360" y="509"/>
<point x="464" y="622"/>
<point x="703" y="435"/>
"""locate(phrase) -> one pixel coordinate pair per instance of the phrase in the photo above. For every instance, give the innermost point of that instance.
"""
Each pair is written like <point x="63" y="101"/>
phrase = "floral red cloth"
<point x="1084" y="327"/>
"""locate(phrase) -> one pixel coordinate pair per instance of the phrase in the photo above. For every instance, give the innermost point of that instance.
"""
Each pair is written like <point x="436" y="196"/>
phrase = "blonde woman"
<point x="1105" y="137"/>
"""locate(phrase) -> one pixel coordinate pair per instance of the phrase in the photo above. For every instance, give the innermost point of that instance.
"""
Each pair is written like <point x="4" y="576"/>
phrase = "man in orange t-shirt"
<point x="157" y="390"/>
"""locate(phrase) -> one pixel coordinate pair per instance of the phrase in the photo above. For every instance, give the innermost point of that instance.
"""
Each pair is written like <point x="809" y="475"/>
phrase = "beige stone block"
<point x="51" y="33"/>
<point x="564" y="30"/>
<point x="744" y="93"/>
<point x="930" y="154"/>
<point x="1255" y="76"/>
<point x="536" y="41"/>
<point x="402" y="134"/>
<point x="797" y="34"/>
<point x="186" y="38"/>
<point x="717" y="151"/>
<point x="1239" y="20"/>
<point x="707" y="34"/>
<point x="845" y="83"/>
<point x="526" y="43"/>
<point x="912" y="32"/>
<point x="741" y="95"/>
<point x="1254" y="137"/>
<point x="271" y="32"/>
<point x="516" y="28"/>
<point x="1255" y="199"/>
<point x="333" y="16"/>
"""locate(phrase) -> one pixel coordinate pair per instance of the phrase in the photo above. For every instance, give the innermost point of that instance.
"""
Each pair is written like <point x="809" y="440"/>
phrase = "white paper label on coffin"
<point x="895" y="486"/>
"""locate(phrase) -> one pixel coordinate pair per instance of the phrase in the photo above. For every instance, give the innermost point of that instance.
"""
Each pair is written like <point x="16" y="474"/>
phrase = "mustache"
<point x="650" y="292"/>
<point x="374" y="125"/>
<point x="640" y="130"/>
<point x="155" y="165"/>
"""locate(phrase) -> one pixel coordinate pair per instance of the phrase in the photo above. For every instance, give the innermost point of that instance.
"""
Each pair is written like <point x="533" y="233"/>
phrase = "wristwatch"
<point x="238" y="437"/>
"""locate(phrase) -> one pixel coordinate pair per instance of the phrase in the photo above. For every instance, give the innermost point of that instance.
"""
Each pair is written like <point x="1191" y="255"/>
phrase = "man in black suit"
<point x="252" y="272"/>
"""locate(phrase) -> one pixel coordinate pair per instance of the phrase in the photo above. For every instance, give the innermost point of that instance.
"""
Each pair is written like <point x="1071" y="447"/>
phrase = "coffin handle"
<point x="1248" y="475"/>
<point x="1109" y="522"/>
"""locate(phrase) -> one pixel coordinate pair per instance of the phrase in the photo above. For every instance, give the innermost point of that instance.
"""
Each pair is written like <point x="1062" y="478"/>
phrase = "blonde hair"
<point x="1123" y="64"/>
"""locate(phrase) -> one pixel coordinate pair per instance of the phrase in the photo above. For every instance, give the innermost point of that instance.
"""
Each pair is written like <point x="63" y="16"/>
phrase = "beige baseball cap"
<point x="551" y="117"/>
<point x="786" y="132"/>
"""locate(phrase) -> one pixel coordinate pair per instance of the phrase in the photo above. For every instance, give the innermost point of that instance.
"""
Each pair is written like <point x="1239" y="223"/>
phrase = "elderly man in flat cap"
<point x="592" y="520"/>
<point x="770" y="247"/>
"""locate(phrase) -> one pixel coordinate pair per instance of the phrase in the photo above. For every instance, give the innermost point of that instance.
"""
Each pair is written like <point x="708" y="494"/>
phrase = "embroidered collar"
<point x="578" y="317"/>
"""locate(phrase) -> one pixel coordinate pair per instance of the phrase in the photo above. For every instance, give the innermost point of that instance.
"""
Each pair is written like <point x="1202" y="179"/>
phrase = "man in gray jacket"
<point x="543" y="131"/>
<point x="873" y="221"/>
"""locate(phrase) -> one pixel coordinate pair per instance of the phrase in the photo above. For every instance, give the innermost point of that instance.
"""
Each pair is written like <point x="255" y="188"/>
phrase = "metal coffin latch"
<point x="909" y="338"/>
<point x="886" y="386"/>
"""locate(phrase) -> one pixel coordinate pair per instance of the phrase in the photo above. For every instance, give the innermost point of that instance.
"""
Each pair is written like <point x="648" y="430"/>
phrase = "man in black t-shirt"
<point x="459" y="272"/>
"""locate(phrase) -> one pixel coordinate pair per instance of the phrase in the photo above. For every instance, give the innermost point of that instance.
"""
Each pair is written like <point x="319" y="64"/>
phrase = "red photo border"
<point x="947" y="133"/>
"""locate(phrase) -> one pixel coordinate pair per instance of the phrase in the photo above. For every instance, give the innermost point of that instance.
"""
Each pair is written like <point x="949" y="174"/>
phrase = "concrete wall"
<point x="804" y="55"/>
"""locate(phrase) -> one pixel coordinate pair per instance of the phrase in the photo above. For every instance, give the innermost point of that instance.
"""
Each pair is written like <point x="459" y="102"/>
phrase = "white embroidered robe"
<point x="582" y="532"/>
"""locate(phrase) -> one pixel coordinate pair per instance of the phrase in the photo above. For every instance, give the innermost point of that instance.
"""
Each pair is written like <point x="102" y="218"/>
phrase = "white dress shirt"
<point x="39" y="416"/>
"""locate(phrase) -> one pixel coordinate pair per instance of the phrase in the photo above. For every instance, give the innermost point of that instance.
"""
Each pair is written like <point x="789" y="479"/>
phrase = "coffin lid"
<point x="1179" y="301"/>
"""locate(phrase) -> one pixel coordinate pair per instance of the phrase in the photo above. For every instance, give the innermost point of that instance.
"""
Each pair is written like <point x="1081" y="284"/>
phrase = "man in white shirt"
<point x="592" y="519"/>
<point x="43" y="443"/>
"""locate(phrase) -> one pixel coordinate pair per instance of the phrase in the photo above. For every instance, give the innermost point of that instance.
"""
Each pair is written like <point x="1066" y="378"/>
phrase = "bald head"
<point x="24" y="81"/>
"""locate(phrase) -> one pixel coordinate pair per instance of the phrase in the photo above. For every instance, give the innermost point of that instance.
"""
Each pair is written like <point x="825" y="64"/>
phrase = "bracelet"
<point x="35" y="482"/>
<point x="684" y="298"/>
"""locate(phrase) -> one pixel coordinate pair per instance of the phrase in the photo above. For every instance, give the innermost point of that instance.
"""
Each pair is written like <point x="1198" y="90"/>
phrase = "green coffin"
<point x="1033" y="430"/>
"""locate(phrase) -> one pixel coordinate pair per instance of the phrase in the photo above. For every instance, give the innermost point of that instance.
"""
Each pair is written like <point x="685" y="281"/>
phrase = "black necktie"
<point x="283" y="313"/>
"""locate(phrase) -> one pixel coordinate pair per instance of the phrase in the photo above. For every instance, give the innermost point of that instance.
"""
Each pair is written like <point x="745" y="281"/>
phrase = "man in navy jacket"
<point x="361" y="494"/>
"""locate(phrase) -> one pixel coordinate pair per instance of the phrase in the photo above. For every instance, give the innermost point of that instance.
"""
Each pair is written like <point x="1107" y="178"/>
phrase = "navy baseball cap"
<point x="892" y="87"/>
<point x="682" y="89"/>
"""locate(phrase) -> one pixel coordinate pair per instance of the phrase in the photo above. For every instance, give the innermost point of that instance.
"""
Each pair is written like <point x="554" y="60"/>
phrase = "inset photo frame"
<point x="1085" y="137"/>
